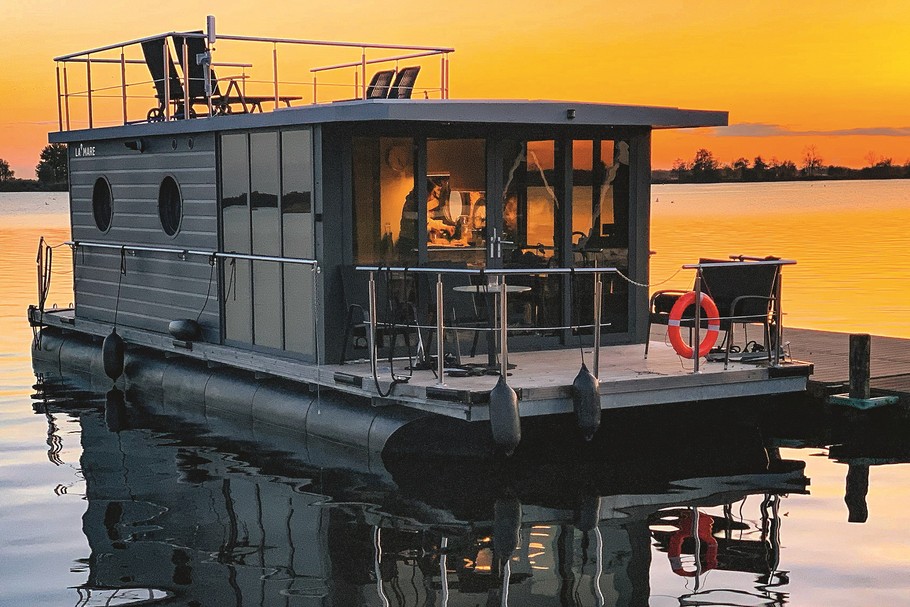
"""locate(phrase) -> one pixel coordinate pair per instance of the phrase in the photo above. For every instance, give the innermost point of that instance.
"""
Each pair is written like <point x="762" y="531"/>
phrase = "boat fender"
<point x="184" y="329"/>
<point x="586" y="401"/>
<point x="673" y="325"/>
<point x="115" y="410"/>
<point x="112" y="354"/>
<point x="506" y="527"/>
<point x="504" y="419"/>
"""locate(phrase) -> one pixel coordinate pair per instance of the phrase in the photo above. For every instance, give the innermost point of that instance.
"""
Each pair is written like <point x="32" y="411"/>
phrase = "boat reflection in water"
<point x="179" y="512"/>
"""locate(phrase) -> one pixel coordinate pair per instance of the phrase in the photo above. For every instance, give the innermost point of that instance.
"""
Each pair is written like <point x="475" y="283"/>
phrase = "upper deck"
<point x="186" y="82"/>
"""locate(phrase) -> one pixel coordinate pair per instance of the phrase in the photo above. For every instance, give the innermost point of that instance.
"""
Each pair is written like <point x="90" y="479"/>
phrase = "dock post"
<point x="860" y="356"/>
<point x="860" y="394"/>
<point x="598" y="302"/>
<point x="697" y="345"/>
<point x="503" y="328"/>
<point x="372" y="295"/>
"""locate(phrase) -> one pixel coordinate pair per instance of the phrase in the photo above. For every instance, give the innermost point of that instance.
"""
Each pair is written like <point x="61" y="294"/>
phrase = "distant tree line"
<point x="705" y="168"/>
<point x="51" y="173"/>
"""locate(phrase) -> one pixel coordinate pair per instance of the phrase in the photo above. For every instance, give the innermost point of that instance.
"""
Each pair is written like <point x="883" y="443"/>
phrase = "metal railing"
<point x="183" y="253"/>
<point x="116" y="56"/>
<point x="737" y="261"/>
<point x="498" y="288"/>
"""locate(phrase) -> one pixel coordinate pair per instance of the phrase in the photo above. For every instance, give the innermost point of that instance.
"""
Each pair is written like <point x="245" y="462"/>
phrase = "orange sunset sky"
<point x="833" y="74"/>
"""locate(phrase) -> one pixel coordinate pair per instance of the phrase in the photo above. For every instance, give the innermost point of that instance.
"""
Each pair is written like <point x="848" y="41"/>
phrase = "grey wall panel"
<point x="157" y="288"/>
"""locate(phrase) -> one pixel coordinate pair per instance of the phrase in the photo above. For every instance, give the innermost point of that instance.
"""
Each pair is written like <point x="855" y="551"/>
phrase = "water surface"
<point x="103" y="504"/>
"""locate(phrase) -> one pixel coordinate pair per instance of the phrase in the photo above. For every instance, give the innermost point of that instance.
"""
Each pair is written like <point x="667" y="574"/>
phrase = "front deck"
<point x="542" y="380"/>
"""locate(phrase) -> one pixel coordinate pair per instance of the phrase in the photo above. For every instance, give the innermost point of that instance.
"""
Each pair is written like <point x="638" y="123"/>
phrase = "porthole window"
<point x="102" y="208"/>
<point x="170" y="206"/>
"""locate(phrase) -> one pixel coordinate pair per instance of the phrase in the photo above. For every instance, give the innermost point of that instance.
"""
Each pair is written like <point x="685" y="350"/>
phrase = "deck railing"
<point x="115" y="75"/>
<point x="497" y="287"/>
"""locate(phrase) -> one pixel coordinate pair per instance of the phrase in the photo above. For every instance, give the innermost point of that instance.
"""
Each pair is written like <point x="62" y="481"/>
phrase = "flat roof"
<point x="527" y="112"/>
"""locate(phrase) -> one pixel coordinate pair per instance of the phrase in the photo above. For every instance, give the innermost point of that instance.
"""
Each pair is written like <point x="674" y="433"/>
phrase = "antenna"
<point x="210" y="29"/>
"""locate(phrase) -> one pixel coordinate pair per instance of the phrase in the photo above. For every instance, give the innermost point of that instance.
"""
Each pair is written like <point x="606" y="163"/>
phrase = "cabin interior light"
<point x="135" y="144"/>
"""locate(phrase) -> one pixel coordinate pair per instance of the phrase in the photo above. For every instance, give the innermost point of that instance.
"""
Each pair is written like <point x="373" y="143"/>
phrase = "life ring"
<point x="705" y="534"/>
<point x="711" y="315"/>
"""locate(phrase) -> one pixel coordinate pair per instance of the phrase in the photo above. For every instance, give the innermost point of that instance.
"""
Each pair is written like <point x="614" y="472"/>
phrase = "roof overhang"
<point x="524" y="112"/>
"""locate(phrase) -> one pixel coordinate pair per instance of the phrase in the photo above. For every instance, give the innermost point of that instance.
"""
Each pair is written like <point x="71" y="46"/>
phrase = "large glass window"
<point x="235" y="221"/>
<point x="385" y="215"/>
<point x="266" y="230"/>
<point x="297" y="232"/>
<point x="530" y="204"/>
<point x="600" y="219"/>
<point x="266" y="209"/>
<point x="456" y="205"/>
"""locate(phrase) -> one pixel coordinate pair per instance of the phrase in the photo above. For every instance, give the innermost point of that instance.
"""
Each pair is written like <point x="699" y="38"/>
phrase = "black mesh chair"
<point x="166" y="91"/>
<point x="396" y="312"/>
<point x="404" y="83"/>
<point x="379" y="84"/>
<point x="745" y="292"/>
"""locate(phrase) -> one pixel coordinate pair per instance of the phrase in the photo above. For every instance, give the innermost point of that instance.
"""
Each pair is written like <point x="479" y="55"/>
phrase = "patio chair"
<point x="379" y="84"/>
<point x="170" y="93"/>
<point x="404" y="83"/>
<point x="396" y="314"/>
<point x="745" y="292"/>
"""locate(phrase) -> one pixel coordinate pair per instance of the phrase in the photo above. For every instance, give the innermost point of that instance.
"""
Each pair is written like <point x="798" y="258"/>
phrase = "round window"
<point x="102" y="209"/>
<point x="170" y="207"/>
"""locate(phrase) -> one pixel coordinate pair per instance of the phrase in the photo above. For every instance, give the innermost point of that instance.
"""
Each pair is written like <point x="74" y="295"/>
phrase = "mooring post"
<point x="860" y="357"/>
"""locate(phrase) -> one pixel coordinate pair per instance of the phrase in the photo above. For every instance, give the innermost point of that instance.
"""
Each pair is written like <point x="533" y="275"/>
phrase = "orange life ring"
<point x="711" y="315"/>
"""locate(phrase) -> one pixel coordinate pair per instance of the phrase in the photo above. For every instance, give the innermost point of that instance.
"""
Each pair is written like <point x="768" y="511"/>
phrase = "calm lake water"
<point x="105" y="506"/>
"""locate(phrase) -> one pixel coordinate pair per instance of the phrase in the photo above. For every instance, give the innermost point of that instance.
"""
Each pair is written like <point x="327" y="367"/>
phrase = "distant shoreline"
<point x="31" y="185"/>
<point x="662" y="177"/>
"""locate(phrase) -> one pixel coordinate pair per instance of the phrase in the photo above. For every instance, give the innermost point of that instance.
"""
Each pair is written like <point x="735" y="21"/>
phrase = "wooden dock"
<point x="830" y="354"/>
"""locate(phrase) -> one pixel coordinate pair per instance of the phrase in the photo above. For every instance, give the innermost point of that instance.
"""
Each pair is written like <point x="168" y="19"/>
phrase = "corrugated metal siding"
<point x="156" y="288"/>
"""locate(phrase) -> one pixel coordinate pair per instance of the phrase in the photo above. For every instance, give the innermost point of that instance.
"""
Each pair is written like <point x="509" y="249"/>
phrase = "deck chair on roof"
<point x="745" y="292"/>
<point x="379" y="84"/>
<point x="222" y="102"/>
<point x="156" y="55"/>
<point x="404" y="83"/>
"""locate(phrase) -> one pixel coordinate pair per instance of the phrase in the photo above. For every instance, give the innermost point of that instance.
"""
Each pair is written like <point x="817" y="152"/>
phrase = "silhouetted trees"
<point x="5" y="173"/>
<point x="705" y="168"/>
<point x="52" y="169"/>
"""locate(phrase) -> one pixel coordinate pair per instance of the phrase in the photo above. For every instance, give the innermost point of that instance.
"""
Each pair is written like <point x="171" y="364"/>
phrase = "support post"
<point x="440" y="336"/>
<point x="503" y="328"/>
<point x="275" y="71"/>
<point x="166" y="62"/>
<point x="372" y="295"/>
<point x="123" y="83"/>
<point x="598" y="302"/>
<point x="88" y="79"/>
<point x="66" y="101"/>
<point x="363" y="71"/>
<point x="695" y="346"/>
<point x="187" y="104"/>
<point x="59" y="101"/>
<point x="860" y="357"/>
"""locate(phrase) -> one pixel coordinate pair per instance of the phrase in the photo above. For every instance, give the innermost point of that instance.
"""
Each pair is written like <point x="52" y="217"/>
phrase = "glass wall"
<point x="600" y="219"/>
<point x="266" y="229"/>
<point x="235" y="222"/>
<point x="385" y="211"/>
<point x="530" y="205"/>
<point x="266" y="209"/>
<point x="297" y="239"/>
<point x="456" y="204"/>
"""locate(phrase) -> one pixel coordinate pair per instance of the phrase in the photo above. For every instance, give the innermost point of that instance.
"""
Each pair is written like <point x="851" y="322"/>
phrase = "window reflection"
<point x="530" y="204"/>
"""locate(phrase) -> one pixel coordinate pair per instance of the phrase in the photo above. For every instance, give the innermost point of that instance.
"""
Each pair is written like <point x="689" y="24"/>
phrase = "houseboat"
<point x="320" y="237"/>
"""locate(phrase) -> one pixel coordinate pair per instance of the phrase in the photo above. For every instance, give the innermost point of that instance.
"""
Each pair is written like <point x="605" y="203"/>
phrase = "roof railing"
<point x="246" y="90"/>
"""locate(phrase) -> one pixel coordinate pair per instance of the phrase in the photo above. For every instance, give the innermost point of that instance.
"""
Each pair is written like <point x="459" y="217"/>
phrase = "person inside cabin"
<point x="440" y="228"/>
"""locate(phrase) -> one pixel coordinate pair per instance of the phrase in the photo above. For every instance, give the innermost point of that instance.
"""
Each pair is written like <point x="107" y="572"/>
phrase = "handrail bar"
<point x="370" y="45"/>
<point x="111" y="47"/>
<point x="210" y="254"/>
<point x="338" y="66"/>
<point x="143" y="62"/>
<point x="484" y="271"/>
